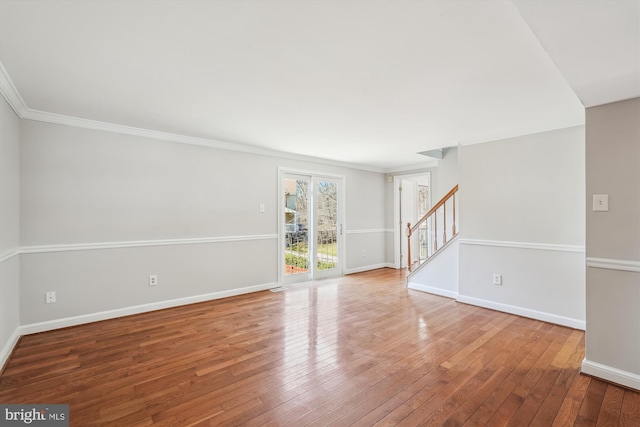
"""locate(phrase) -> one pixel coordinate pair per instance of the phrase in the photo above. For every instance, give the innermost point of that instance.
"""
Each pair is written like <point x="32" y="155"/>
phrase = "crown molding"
<point x="417" y="167"/>
<point x="43" y="116"/>
<point x="11" y="94"/>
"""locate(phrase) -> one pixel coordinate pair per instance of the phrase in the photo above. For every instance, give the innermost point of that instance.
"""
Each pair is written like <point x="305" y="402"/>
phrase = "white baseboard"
<point x="433" y="290"/>
<point x="608" y="373"/>
<point x="6" y="350"/>
<point x="525" y="312"/>
<point x="368" y="268"/>
<point x="137" y="309"/>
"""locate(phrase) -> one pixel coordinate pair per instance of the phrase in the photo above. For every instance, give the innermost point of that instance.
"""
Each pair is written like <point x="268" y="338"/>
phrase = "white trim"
<point x="16" y="102"/>
<point x="614" y="264"/>
<point x="608" y="373"/>
<point x="137" y="309"/>
<point x="342" y="217"/>
<point x="370" y="230"/>
<point x="413" y="169"/>
<point x="9" y="254"/>
<point x="60" y="119"/>
<point x="6" y="350"/>
<point x="10" y="93"/>
<point x="141" y="243"/>
<point x="308" y="172"/>
<point x="368" y="268"/>
<point x="524" y="245"/>
<point x="525" y="312"/>
<point x="432" y="290"/>
<point x="399" y="232"/>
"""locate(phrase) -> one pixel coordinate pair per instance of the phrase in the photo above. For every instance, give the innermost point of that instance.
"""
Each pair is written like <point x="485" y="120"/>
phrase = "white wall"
<point x="447" y="173"/>
<point x="613" y="243"/>
<point x="366" y="222"/>
<point x="101" y="211"/>
<point x="522" y="216"/>
<point x="9" y="228"/>
<point x="440" y="275"/>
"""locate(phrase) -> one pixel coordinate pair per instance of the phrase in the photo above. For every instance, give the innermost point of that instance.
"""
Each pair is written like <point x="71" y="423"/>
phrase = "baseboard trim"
<point x="348" y="271"/>
<point x="611" y="374"/>
<point x="432" y="290"/>
<point x="6" y="350"/>
<point x="137" y="309"/>
<point x="524" y="312"/>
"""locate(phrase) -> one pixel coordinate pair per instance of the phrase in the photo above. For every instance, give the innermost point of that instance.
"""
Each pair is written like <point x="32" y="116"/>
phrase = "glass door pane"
<point x="296" y="225"/>
<point x="326" y="227"/>
<point x="311" y="218"/>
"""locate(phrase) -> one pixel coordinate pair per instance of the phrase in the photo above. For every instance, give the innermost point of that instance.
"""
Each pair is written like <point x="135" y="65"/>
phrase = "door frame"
<point x="342" y="229"/>
<point x="399" y="230"/>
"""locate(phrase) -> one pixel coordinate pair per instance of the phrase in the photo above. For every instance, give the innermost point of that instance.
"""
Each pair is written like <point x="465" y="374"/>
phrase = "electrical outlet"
<point x="497" y="279"/>
<point x="153" y="280"/>
<point x="364" y="252"/>
<point x="50" y="297"/>
<point x="261" y="207"/>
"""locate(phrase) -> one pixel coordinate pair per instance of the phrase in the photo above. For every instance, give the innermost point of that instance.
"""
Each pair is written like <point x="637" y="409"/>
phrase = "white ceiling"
<point x="370" y="83"/>
<point x="595" y="44"/>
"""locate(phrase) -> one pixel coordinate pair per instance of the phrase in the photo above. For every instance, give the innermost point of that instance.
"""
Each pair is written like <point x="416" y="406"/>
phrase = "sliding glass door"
<point x="312" y="230"/>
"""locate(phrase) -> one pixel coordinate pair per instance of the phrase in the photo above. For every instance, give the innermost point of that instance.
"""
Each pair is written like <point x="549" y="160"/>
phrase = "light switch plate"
<point x="600" y="202"/>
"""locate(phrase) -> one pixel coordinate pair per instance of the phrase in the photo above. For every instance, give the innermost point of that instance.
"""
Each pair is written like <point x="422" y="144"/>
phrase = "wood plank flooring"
<point x="361" y="350"/>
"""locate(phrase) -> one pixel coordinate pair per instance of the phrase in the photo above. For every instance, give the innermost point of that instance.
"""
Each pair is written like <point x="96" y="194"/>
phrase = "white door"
<point x="408" y="216"/>
<point x="412" y="196"/>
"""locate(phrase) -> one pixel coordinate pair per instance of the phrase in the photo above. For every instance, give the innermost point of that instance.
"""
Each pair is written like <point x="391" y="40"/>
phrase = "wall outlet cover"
<point x="600" y="202"/>
<point x="50" y="297"/>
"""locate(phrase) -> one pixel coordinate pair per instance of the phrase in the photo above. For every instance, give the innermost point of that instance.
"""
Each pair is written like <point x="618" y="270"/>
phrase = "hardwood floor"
<point x="362" y="350"/>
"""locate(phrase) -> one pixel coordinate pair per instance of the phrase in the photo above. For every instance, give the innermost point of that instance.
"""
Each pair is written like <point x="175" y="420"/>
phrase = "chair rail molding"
<point x="370" y="230"/>
<point x="524" y="245"/>
<point x="141" y="243"/>
<point x="614" y="264"/>
<point x="5" y="256"/>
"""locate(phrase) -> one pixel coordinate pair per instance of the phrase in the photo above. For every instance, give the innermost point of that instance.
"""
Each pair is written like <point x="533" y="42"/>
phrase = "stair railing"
<point x="433" y="231"/>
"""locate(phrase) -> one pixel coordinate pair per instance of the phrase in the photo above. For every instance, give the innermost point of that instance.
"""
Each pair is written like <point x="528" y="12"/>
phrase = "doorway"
<point x="412" y="199"/>
<point x="311" y="235"/>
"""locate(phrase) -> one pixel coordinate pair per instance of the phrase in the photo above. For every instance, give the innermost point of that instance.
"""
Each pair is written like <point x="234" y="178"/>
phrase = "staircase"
<point x="432" y="233"/>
